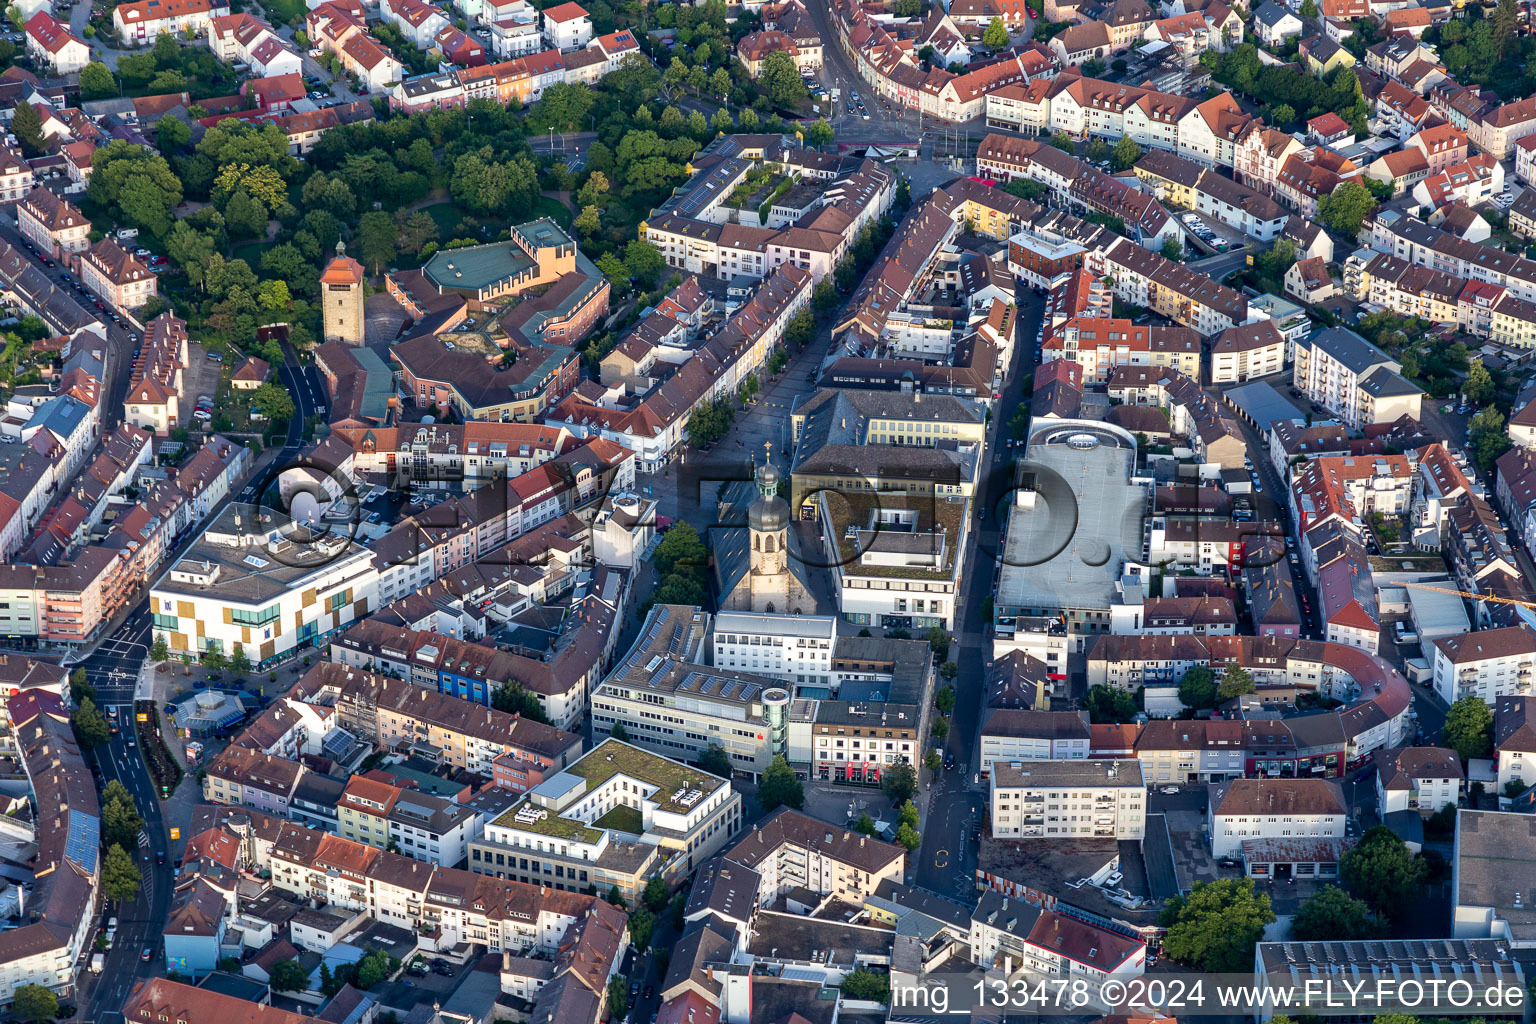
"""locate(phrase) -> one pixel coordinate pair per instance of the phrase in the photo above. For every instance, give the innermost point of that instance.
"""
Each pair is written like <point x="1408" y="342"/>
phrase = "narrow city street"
<point x="946" y="861"/>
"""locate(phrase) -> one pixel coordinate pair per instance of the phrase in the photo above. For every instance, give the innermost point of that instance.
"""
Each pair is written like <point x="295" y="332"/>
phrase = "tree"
<point x="679" y="912"/>
<point x="27" y="126"/>
<point x="120" y="820"/>
<point x="644" y="262"/>
<point x="1488" y="437"/>
<point x="171" y="135"/>
<point x="818" y="133"/>
<point x="1506" y="24"/>
<point x="97" y="83"/>
<point x="274" y="402"/>
<point x="945" y="699"/>
<point x="91" y="729"/>
<point x="618" y="999"/>
<point x="1173" y="249"/>
<point x="996" y="35"/>
<point x="1332" y="913"/>
<point x="934" y="762"/>
<point x="595" y="191"/>
<point x="867" y="985"/>
<point x="656" y="894"/>
<point x="617" y="898"/>
<point x="1216" y="926"/>
<point x="908" y="836"/>
<point x="514" y="700"/>
<point x="1125" y="154"/>
<point x="80" y="687"/>
<point x="1197" y="688"/>
<point x="716" y="761"/>
<point x="376" y="239"/>
<point x="1344" y="208"/>
<point x="780" y="787"/>
<point x="864" y="825"/>
<point x="288" y="976"/>
<point x="939" y="729"/>
<point x="642" y="924"/>
<point x="780" y="80"/>
<point x="1235" y="681"/>
<point x="1108" y="704"/>
<point x="239" y="662"/>
<point x="35" y="1002"/>
<point x="373" y="968"/>
<point x="119" y="875"/>
<point x="1478" y="386"/>
<point x="1309" y="8"/>
<point x="1063" y="142"/>
<point x="1381" y="871"/>
<point x="619" y="733"/>
<point x="1468" y="728"/>
<point x="899" y="782"/>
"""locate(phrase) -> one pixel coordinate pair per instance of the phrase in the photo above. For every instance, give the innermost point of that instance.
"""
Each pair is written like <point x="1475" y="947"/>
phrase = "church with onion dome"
<point x="759" y="569"/>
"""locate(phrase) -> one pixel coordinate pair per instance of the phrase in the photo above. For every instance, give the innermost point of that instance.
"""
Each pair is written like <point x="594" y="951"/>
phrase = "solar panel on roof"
<point x="84" y="839"/>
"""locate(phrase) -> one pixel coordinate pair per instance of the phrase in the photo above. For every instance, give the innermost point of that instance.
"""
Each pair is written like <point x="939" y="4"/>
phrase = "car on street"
<point x="147" y="955"/>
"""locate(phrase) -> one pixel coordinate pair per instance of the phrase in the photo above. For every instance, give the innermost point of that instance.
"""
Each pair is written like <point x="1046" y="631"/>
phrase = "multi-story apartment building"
<point x="1175" y="751"/>
<point x="1248" y="352"/>
<point x="614" y="818"/>
<point x="1016" y="734"/>
<point x="1514" y="740"/>
<point x="1488" y="663"/>
<point x="442" y="906"/>
<point x="143" y="21"/>
<point x="793" y="850"/>
<point x="393" y="712"/>
<point x="1024" y="941"/>
<point x="251" y="778"/>
<point x="1354" y="379"/>
<point x="1067" y="799"/>
<point x="111" y="272"/>
<point x="1247" y="811"/>
<point x="48" y="945"/>
<point x="1422" y="779"/>
<point x="362" y="813"/>
<point x="52" y="45"/>
<point x="52" y="224"/>
<point x="16" y="176"/>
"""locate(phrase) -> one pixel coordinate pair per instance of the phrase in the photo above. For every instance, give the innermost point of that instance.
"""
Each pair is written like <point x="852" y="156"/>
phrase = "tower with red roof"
<point x="341" y="289"/>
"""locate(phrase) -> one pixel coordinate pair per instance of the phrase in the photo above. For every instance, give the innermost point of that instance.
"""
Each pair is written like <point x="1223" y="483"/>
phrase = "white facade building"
<point x="1058" y="799"/>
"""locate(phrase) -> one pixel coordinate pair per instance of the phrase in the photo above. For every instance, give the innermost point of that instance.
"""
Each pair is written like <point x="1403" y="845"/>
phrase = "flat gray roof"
<point x="1069" y="550"/>
<point x="1262" y="404"/>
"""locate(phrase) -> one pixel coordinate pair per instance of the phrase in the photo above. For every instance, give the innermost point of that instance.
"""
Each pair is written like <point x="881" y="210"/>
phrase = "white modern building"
<point x="1062" y="799"/>
<point x="1489" y="663"/>
<point x="262" y="587"/>
<point x="794" y="648"/>
<point x="611" y="818"/>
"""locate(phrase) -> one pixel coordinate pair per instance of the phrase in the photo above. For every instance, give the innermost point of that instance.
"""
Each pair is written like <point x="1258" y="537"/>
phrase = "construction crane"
<point x="1472" y="596"/>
